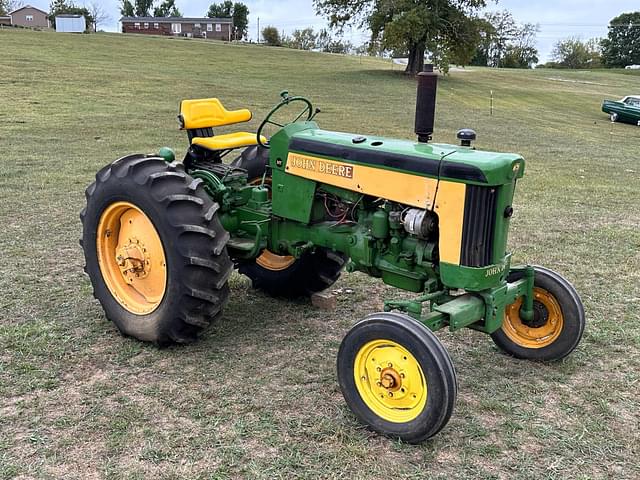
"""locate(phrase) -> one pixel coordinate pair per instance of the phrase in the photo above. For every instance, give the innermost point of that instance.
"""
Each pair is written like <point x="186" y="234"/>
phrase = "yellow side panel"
<point x="450" y="210"/>
<point x="396" y="186"/>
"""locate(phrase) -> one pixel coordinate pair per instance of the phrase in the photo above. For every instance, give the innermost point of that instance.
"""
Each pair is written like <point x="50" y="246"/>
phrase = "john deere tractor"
<point x="294" y="209"/>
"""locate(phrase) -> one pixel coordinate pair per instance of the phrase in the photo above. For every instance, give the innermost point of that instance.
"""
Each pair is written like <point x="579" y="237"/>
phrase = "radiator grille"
<point x="478" y="226"/>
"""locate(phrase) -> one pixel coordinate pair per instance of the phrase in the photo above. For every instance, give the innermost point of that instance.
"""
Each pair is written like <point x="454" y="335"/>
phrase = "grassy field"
<point x="257" y="397"/>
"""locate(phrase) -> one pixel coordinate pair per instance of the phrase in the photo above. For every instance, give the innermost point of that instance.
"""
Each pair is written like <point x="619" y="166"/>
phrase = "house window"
<point x="218" y="27"/>
<point x="136" y="25"/>
<point x="176" y="28"/>
<point x="29" y="18"/>
<point x="156" y="26"/>
<point x="196" y="25"/>
<point x="209" y="27"/>
<point x="146" y="25"/>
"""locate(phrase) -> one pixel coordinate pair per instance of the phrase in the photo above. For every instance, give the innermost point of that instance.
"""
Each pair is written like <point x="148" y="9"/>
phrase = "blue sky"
<point x="557" y="18"/>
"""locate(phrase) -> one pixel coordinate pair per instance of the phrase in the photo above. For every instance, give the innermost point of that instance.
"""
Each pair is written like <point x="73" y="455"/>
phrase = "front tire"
<point x="155" y="250"/>
<point x="396" y="377"/>
<point x="613" y="117"/>
<point x="558" y="322"/>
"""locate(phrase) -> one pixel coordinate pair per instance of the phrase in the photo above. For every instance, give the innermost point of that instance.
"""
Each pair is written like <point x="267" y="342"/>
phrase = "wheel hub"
<point x="540" y="316"/>
<point x="133" y="260"/>
<point x="390" y="380"/>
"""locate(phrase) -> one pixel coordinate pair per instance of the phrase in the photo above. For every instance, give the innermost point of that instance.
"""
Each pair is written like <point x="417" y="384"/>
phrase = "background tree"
<point x="622" y="45"/>
<point x="99" y="14"/>
<point x="127" y="9"/>
<point x="238" y="11"/>
<point x="7" y="6"/>
<point x="302" y="39"/>
<point x="167" y="9"/>
<point x="271" y="36"/>
<point x="505" y="43"/>
<point x="58" y="7"/>
<point x="440" y="27"/>
<point x="574" y="53"/>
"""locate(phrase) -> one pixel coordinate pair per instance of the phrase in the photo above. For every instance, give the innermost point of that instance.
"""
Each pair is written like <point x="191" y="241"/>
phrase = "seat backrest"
<point x="208" y="113"/>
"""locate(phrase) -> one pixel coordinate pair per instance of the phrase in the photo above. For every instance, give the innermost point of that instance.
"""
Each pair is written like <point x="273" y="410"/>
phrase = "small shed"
<point x="70" y="23"/>
<point x="6" y="21"/>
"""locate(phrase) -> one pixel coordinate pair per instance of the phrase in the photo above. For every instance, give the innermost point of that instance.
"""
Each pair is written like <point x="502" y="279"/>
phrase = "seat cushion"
<point x="227" y="141"/>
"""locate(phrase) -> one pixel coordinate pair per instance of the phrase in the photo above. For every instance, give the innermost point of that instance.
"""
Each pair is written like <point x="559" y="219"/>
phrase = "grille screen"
<point x="478" y="226"/>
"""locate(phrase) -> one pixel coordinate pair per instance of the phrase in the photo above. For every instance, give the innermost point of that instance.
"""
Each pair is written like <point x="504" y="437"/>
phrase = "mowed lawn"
<point x="257" y="396"/>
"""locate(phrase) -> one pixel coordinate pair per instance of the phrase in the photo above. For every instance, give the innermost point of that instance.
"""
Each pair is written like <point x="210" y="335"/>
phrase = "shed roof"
<point x="177" y="19"/>
<point x="28" y="6"/>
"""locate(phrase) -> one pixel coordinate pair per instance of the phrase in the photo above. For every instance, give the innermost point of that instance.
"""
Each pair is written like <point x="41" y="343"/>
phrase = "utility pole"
<point x="258" y="37"/>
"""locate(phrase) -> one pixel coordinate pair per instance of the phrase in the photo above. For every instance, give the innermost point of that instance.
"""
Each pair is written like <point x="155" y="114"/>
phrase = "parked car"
<point x="625" y="110"/>
<point x="632" y="67"/>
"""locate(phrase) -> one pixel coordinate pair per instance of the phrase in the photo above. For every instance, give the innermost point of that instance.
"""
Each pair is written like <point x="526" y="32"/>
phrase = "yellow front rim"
<point x="534" y="337"/>
<point x="274" y="262"/>
<point x="390" y="381"/>
<point x="131" y="258"/>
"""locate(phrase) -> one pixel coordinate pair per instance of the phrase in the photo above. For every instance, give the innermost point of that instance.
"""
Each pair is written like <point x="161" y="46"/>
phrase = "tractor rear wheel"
<point x="396" y="377"/>
<point x="155" y="250"/>
<point x="284" y="275"/>
<point x="558" y="322"/>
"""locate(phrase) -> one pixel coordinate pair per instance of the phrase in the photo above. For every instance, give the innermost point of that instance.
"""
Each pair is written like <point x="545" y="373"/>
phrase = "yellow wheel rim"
<point x="390" y="381"/>
<point x="534" y="337"/>
<point x="131" y="258"/>
<point x="274" y="262"/>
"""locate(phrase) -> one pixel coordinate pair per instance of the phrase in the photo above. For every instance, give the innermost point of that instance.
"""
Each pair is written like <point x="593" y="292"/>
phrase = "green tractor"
<point x="161" y="239"/>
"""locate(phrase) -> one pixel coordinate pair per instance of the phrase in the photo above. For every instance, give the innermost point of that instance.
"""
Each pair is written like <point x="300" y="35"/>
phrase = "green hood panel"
<point x="458" y="163"/>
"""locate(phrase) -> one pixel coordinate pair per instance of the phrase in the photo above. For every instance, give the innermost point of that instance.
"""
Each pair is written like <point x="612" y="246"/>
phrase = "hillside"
<point x="257" y="397"/>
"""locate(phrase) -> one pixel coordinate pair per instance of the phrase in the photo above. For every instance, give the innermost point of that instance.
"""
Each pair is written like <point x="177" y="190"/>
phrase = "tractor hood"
<point x="425" y="159"/>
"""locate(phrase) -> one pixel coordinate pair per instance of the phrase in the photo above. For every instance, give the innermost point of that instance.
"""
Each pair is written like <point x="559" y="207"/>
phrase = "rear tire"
<point x="284" y="276"/>
<point x="558" y="322"/>
<point x="397" y="377"/>
<point x="184" y="219"/>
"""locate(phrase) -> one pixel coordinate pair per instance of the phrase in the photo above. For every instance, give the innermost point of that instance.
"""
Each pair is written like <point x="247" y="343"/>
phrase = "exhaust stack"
<point x="426" y="103"/>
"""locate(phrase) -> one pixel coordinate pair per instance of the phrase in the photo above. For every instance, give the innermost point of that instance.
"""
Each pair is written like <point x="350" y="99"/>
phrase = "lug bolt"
<point x="378" y="369"/>
<point x="390" y="364"/>
<point x="391" y="394"/>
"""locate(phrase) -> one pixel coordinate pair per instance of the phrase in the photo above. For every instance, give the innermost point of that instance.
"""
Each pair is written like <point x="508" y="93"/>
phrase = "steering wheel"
<point x="286" y="100"/>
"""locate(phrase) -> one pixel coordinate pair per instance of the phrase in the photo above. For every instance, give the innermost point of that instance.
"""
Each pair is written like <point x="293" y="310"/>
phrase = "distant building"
<point x="29" y="16"/>
<point x="211" y="28"/>
<point x="70" y="23"/>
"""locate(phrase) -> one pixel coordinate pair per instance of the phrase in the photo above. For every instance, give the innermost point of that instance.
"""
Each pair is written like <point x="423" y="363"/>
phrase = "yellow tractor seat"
<point x="198" y="117"/>
<point x="228" y="141"/>
<point x="208" y="113"/>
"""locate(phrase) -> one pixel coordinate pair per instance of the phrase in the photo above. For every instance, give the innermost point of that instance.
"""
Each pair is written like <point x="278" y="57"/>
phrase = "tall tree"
<point x="574" y="53"/>
<point x="441" y="27"/>
<point x="99" y="14"/>
<point x="127" y="9"/>
<point x="271" y="36"/>
<point x="622" y="45"/>
<point x="303" y="39"/>
<point x="238" y="11"/>
<point x="167" y="9"/>
<point x="7" y="6"/>
<point x="506" y="43"/>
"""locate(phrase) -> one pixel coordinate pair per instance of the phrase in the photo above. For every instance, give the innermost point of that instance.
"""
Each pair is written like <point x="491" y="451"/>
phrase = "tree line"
<point x="453" y="32"/>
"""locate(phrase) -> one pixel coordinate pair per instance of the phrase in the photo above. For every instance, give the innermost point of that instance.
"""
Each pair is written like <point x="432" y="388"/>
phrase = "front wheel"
<point x="396" y="377"/>
<point x="557" y="324"/>
<point x="613" y="117"/>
